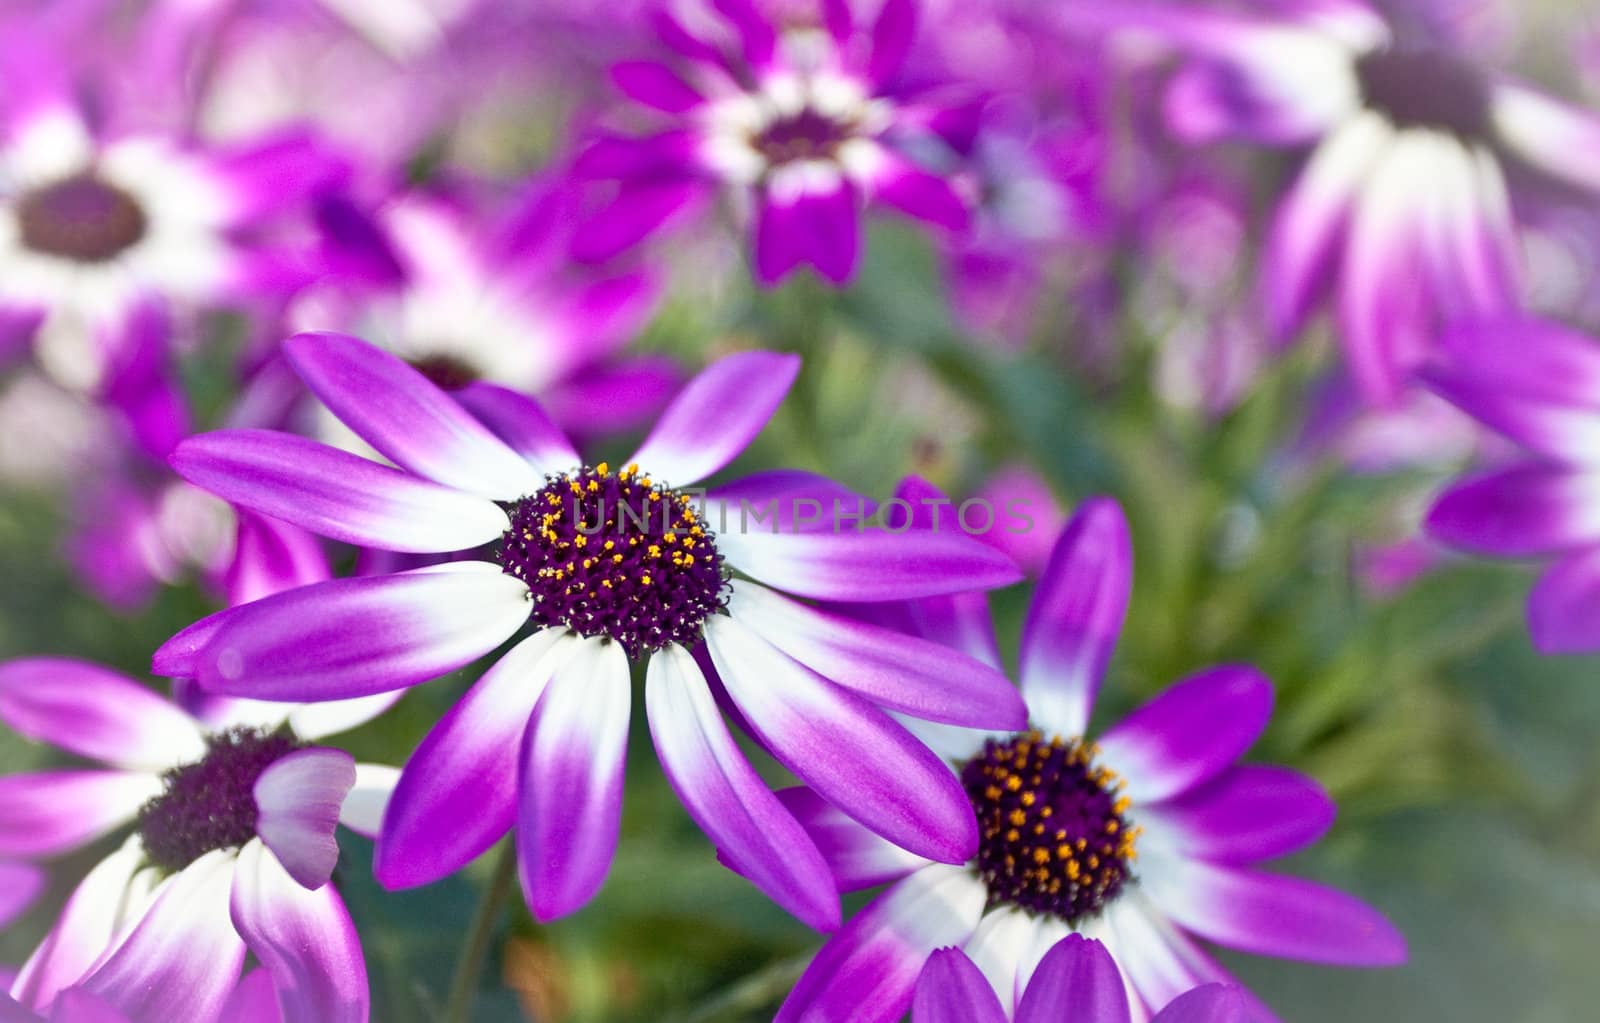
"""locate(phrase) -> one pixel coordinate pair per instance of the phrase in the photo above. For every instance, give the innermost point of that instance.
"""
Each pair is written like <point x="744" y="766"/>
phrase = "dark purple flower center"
<point x="447" y="372"/>
<point x="80" y="218"/>
<point x="1053" y="837"/>
<point x="806" y="135"/>
<point x="1426" y="89"/>
<point x="211" y="804"/>
<point x="614" y="554"/>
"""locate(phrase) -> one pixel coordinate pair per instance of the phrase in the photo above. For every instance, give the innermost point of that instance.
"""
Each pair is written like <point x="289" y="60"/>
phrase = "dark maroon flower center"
<point x="806" y="135"/>
<point x="1053" y="836"/>
<point x="447" y="372"/>
<point x="614" y="554"/>
<point x="1426" y="89"/>
<point x="80" y="218"/>
<point x="211" y="804"/>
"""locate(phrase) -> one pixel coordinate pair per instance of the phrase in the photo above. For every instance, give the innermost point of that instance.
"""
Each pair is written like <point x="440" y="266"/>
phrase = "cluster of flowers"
<point x="166" y="165"/>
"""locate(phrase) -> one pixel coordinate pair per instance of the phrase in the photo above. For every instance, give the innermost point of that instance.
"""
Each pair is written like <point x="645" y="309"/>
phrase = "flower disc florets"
<point x="1053" y="838"/>
<point x="81" y="218"/>
<point x="1426" y="89"/>
<point x="615" y="554"/>
<point x="211" y="804"/>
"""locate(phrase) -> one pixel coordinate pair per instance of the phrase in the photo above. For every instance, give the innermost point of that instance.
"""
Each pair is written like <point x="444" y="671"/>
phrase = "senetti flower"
<point x="1077" y="976"/>
<point x="1538" y="384"/>
<point x="604" y="565"/>
<point x="804" y="120"/>
<point x="1144" y="839"/>
<point x="1402" y="210"/>
<point x="232" y="845"/>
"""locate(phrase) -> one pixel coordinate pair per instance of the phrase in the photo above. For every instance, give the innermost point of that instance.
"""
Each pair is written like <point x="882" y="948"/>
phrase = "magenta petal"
<point x="1275" y="915"/>
<point x="523" y="424"/>
<point x="1169" y="962"/>
<point x="78" y="1006"/>
<point x="20" y="884"/>
<point x="919" y="193"/>
<point x="870" y="565"/>
<point x="1524" y="510"/>
<point x="82" y="931"/>
<point x="655" y="85"/>
<point x="96" y="713"/>
<point x="405" y="417"/>
<point x="51" y="812"/>
<point x="891" y="669"/>
<point x="297" y="803"/>
<point x="1248" y="813"/>
<point x="867" y="972"/>
<point x="270" y="556"/>
<point x="716" y="416"/>
<point x="1075" y="617"/>
<point x="639" y="210"/>
<point x="1080" y="973"/>
<point x="334" y="493"/>
<point x="857" y="857"/>
<point x="846" y="749"/>
<point x="179" y="656"/>
<point x="779" y="241"/>
<point x="182" y="959"/>
<point x="756" y="34"/>
<point x="254" y="1000"/>
<point x="892" y="34"/>
<point x="1564" y="609"/>
<point x="726" y="797"/>
<point x="355" y="637"/>
<point x="571" y="780"/>
<point x="1190" y="733"/>
<point x="457" y="795"/>
<point x="304" y="938"/>
<point x="1210" y="1003"/>
<point x="952" y="990"/>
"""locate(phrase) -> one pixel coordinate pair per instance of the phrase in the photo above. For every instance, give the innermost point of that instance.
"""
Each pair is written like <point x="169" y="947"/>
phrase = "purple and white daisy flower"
<point x="606" y="566"/>
<point x="1537" y="383"/>
<point x="1402" y="210"/>
<point x="233" y="818"/>
<point x="1077" y="974"/>
<point x="1144" y="839"/>
<point x="805" y="122"/>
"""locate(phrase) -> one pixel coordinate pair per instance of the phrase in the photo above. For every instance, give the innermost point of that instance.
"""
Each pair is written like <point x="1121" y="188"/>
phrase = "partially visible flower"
<point x="1144" y="839"/>
<point x="1538" y="384"/>
<point x="606" y="566"/>
<point x="232" y="846"/>
<point x="1028" y="518"/>
<point x="1077" y="976"/>
<point x="1402" y="211"/>
<point x="804" y="120"/>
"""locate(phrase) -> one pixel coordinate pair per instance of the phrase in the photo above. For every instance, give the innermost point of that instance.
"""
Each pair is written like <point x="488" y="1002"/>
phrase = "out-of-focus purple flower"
<point x="1061" y="819"/>
<point x="1536" y="383"/>
<point x="232" y="847"/>
<point x="1021" y="498"/>
<point x="606" y="566"/>
<point x="1402" y="211"/>
<point x="803" y="118"/>
<point x="1076" y="975"/>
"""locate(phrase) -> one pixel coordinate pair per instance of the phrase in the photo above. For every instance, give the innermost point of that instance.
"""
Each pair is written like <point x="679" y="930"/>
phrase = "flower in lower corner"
<point x="231" y="849"/>
<point x="1145" y="838"/>
<point x="601" y="567"/>
<point x="1077" y="973"/>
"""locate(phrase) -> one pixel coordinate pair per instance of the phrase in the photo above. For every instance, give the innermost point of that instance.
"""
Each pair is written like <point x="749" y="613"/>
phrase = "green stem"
<point x="756" y="991"/>
<point x="469" y="968"/>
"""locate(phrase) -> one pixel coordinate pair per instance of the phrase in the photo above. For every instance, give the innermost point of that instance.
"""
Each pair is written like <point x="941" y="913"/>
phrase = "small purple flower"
<point x="1144" y="839"/>
<point x="607" y="566"/>
<point x="1537" y="383"/>
<point x="1077" y="975"/>
<point x="805" y="120"/>
<point x="233" y="820"/>
<point x="1402" y="210"/>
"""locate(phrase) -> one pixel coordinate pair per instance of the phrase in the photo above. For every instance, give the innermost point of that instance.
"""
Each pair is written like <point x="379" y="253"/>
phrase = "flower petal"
<point x="354" y="637"/>
<point x="297" y="806"/>
<point x="892" y="35"/>
<point x="304" y="938"/>
<point x="1248" y="813"/>
<point x="655" y="85"/>
<point x="523" y="424"/>
<point x="850" y="752"/>
<point x="870" y="565"/>
<point x="405" y="417"/>
<point x="336" y="494"/>
<point x="1080" y="973"/>
<point x="1524" y="510"/>
<point x="571" y="780"/>
<point x="83" y="930"/>
<point x="867" y="972"/>
<point x="952" y="990"/>
<point x="857" y="858"/>
<point x="1564" y="609"/>
<point x="457" y="794"/>
<point x="999" y="946"/>
<point x="20" y="884"/>
<point x="726" y="797"/>
<point x="716" y="416"/>
<point x="1556" y="137"/>
<point x="182" y="959"/>
<point x="1163" y="962"/>
<point x="916" y="192"/>
<point x="1190" y="733"/>
<point x="254" y="1000"/>
<point x="96" y="713"/>
<point x="271" y="556"/>
<point x="1210" y="1003"/>
<point x="51" y="812"/>
<point x="1271" y="914"/>
<point x="889" y="668"/>
<point x="1075" y="617"/>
